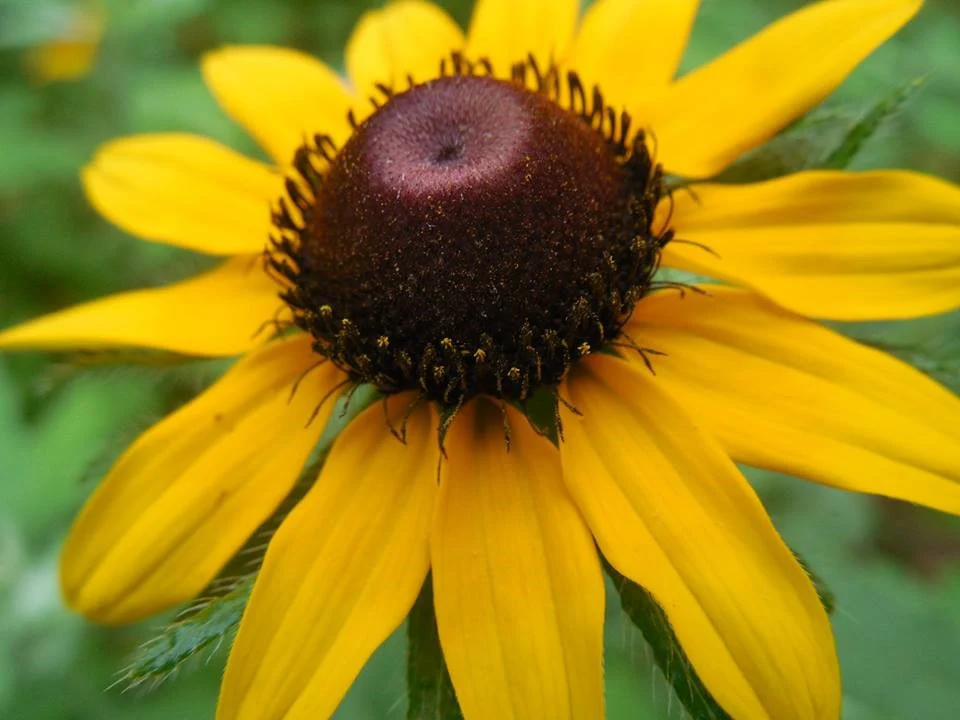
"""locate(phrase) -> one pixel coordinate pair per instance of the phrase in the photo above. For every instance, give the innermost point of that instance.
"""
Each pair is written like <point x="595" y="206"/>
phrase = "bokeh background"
<point x="895" y="570"/>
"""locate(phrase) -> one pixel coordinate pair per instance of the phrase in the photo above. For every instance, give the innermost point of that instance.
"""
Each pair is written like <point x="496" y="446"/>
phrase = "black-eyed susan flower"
<point x="488" y="229"/>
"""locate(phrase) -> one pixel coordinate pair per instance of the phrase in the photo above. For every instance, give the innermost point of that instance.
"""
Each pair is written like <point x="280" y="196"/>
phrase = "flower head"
<point x="488" y="226"/>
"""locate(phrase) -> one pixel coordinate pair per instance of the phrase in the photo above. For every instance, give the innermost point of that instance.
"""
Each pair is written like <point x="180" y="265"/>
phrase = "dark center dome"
<point x="471" y="237"/>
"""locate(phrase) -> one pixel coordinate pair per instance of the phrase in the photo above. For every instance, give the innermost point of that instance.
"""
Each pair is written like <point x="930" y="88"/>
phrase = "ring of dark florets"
<point x="394" y="304"/>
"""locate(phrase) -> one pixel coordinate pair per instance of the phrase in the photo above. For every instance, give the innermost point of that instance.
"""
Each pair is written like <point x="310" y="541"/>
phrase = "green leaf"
<point x="650" y="619"/>
<point x="207" y="629"/>
<point x="829" y="137"/>
<point x="827" y="598"/>
<point x="804" y="145"/>
<point x="858" y="135"/>
<point x="430" y="693"/>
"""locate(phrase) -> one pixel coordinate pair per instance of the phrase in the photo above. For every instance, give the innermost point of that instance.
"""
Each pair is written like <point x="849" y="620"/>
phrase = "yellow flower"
<point x="645" y="469"/>
<point x="72" y="52"/>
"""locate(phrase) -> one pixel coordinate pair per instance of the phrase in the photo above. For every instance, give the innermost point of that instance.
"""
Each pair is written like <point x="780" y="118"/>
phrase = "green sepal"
<point x="213" y="625"/>
<point x="430" y="694"/>
<point x="542" y="410"/>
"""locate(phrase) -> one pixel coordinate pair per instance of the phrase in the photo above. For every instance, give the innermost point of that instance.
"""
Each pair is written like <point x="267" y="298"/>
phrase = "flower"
<point x="645" y="469"/>
<point x="72" y="50"/>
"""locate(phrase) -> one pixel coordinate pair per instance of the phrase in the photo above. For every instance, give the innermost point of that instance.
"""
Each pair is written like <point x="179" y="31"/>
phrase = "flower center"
<point x="472" y="236"/>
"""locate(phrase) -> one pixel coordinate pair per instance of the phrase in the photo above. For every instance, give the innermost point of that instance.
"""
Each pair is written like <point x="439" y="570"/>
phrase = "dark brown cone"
<point x="471" y="237"/>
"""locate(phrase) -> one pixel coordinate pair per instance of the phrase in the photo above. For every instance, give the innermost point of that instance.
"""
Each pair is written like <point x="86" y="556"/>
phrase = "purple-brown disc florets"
<point x="472" y="236"/>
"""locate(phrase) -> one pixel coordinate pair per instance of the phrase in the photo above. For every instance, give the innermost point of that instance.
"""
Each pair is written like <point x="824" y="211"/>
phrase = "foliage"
<point x="827" y="138"/>
<point x="207" y="627"/>
<point x="429" y="690"/>
<point x="650" y="619"/>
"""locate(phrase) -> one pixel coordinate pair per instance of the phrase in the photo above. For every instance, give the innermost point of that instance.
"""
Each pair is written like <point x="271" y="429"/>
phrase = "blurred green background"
<point x="894" y="569"/>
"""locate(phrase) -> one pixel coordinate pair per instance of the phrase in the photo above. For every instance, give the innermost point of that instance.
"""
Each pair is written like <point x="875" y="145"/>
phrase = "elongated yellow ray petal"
<point x="783" y="393"/>
<point x="630" y="48"/>
<point x="506" y="32"/>
<point x="190" y="491"/>
<point x="280" y="96"/>
<point x="217" y="313"/>
<point x="517" y="582"/>
<point x="670" y="511"/>
<point x="184" y="190"/>
<point x="406" y="38"/>
<point x="716" y="113"/>
<point x="844" y="246"/>
<point x="341" y="574"/>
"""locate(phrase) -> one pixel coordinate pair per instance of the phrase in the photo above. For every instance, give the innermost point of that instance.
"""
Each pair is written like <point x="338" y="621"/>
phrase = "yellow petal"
<point x="184" y="190"/>
<point x="786" y="394"/>
<point x="834" y="245"/>
<point x="506" y="31"/>
<point x="516" y="579"/>
<point x="190" y="491"/>
<point x="671" y="512"/>
<point x="403" y="38"/>
<point x="630" y="47"/>
<point x="279" y="96"/>
<point x="217" y="313"/>
<point x="711" y="116"/>
<point x="341" y="574"/>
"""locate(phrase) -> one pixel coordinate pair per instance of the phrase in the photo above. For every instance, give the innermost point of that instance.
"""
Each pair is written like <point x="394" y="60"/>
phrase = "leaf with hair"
<point x="650" y="619"/>
<point x="827" y="138"/>
<point x="430" y="693"/>
<point x="211" y="624"/>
